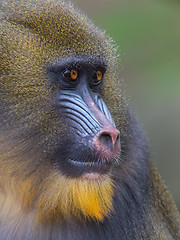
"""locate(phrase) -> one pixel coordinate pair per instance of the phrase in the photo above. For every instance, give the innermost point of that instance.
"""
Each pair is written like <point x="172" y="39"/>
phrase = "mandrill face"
<point x="59" y="73"/>
<point x="92" y="143"/>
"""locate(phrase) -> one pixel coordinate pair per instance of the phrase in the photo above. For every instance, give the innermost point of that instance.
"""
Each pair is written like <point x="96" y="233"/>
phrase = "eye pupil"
<point x="74" y="74"/>
<point x="97" y="77"/>
<point x="70" y="74"/>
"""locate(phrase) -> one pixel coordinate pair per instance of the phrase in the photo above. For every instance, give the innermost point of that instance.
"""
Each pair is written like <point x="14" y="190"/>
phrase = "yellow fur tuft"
<point x="78" y="197"/>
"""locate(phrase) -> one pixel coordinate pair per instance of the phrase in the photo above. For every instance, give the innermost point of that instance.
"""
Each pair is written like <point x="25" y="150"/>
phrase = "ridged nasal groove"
<point x="76" y="110"/>
<point x="103" y="108"/>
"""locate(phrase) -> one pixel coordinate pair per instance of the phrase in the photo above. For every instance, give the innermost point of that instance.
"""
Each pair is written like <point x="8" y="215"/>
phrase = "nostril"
<point x="109" y="139"/>
<point x="117" y="139"/>
<point x="106" y="140"/>
<point x="107" y="143"/>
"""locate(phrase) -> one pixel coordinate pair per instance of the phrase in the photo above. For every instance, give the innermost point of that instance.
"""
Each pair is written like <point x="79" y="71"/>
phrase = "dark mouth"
<point x="87" y="164"/>
<point x="101" y="167"/>
<point x="79" y="159"/>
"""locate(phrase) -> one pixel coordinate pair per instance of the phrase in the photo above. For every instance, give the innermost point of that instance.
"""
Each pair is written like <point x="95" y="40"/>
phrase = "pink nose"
<point x="107" y="142"/>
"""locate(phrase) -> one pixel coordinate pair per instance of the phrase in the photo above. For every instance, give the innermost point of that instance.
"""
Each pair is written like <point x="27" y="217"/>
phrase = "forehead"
<point x="78" y="61"/>
<point x="60" y="25"/>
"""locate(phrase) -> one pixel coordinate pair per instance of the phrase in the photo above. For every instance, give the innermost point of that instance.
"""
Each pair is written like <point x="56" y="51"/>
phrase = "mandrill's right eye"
<point x="70" y="75"/>
<point x="97" y="77"/>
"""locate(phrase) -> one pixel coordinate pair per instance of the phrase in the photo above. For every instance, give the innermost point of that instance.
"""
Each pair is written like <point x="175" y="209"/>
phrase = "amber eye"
<point x="74" y="74"/>
<point x="70" y="74"/>
<point x="97" y="77"/>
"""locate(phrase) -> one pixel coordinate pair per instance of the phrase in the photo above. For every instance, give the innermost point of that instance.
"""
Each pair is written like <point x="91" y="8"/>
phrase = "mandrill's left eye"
<point x="97" y="77"/>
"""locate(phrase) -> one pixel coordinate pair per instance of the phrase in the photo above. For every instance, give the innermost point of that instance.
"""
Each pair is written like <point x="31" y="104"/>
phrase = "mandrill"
<point x="74" y="162"/>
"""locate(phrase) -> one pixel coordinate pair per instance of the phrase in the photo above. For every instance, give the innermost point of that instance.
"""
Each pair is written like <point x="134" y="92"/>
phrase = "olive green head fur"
<point x="33" y="35"/>
<point x="36" y="33"/>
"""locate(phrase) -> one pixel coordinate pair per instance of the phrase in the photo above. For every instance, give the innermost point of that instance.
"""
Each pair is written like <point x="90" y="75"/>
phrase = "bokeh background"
<point x="148" y="35"/>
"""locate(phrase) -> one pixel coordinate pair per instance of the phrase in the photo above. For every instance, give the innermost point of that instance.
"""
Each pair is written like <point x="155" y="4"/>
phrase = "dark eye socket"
<point x="97" y="77"/>
<point x="70" y="75"/>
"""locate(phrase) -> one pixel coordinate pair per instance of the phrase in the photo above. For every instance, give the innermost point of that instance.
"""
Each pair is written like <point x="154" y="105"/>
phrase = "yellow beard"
<point x="75" y="197"/>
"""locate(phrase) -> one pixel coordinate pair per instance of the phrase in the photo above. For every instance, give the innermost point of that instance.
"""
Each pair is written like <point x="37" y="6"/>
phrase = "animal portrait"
<point x="74" y="161"/>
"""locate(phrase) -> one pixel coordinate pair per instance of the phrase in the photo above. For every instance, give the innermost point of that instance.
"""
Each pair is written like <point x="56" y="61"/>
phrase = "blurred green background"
<point x="148" y="35"/>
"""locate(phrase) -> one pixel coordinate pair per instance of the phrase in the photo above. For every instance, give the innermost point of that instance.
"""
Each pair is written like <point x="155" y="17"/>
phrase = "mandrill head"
<point x="60" y="105"/>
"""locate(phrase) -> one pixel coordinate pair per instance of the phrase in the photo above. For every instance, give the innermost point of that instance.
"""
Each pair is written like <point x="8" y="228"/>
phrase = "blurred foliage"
<point x="150" y="31"/>
<point x="148" y="35"/>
